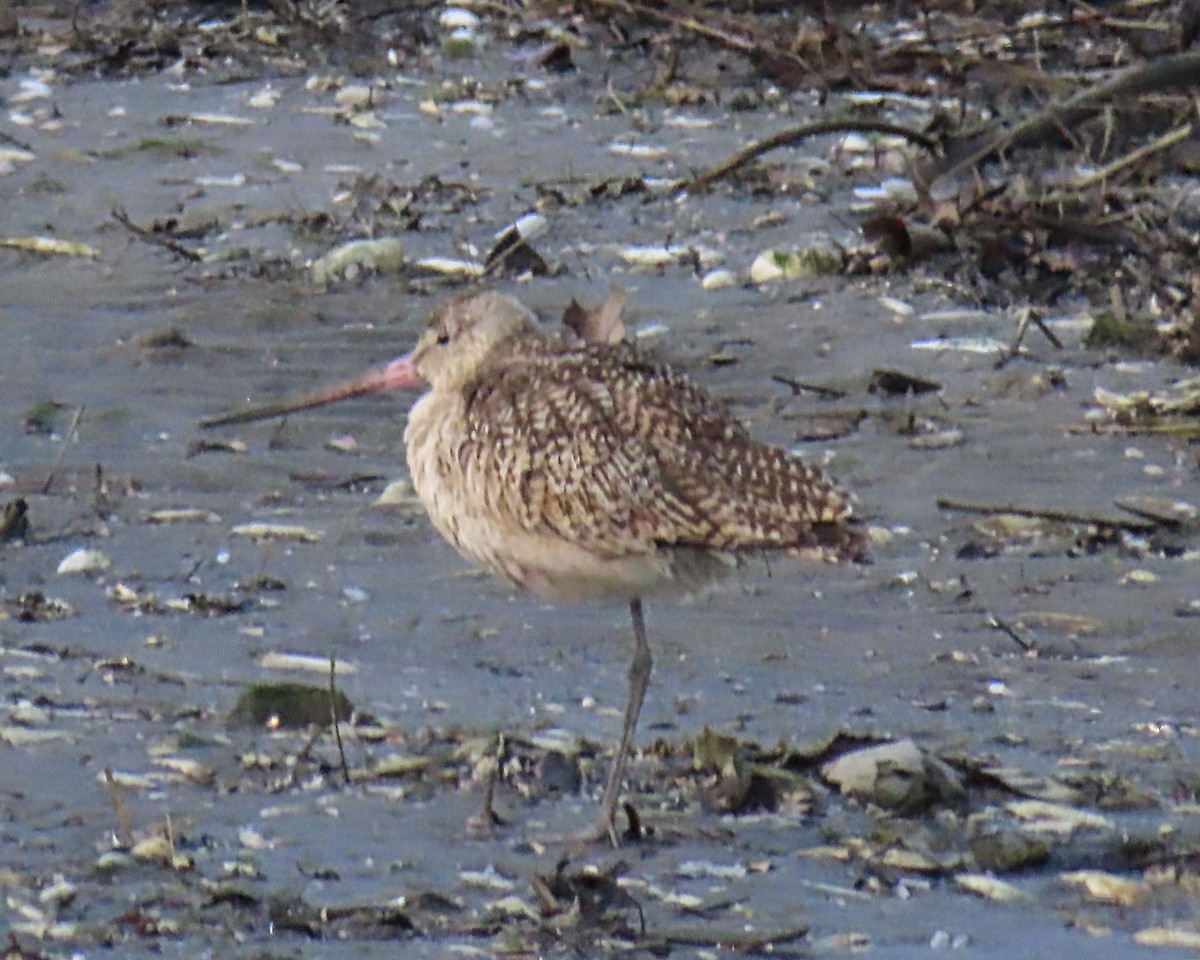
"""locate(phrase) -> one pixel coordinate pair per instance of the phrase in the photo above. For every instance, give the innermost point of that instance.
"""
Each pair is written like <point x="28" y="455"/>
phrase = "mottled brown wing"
<point x="619" y="454"/>
<point x="746" y="495"/>
<point x="568" y="460"/>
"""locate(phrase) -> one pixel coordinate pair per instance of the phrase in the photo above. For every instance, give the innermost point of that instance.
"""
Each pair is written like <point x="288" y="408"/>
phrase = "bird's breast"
<point x="493" y="511"/>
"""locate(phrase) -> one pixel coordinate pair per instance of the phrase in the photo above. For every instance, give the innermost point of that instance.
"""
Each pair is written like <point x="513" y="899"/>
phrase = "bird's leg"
<point x="639" y="679"/>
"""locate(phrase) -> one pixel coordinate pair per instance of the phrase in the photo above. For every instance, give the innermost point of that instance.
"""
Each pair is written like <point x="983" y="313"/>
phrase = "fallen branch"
<point x="794" y="135"/>
<point x="1178" y="72"/>
<point x="1049" y="513"/>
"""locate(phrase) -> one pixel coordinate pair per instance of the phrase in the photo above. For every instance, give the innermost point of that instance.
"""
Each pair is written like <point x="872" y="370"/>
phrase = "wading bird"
<point x="586" y="471"/>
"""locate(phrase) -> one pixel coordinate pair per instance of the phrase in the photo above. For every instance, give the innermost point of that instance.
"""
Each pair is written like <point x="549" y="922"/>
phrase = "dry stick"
<point x="142" y="233"/>
<point x="1173" y="72"/>
<point x="333" y="712"/>
<point x="62" y="452"/>
<point x="1050" y="513"/>
<point x="997" y="624"/>
<point x="1028" y="316"/>
<point x="1049" y="334"/>
<point x="738" y="941"/>
<point x="303" y="755"/>
<point x="793" y="135"/>
<point x="1165" y="142"/>
<point x="14" y="142"/>
<point x="1184" y="428"/>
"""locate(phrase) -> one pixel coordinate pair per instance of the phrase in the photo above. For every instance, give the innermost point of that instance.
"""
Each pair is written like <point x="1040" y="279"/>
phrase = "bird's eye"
<point x="443" y="339"/>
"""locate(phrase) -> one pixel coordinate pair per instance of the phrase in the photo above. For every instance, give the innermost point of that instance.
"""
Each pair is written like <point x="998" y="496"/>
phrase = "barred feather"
<point x="581" y="470"/>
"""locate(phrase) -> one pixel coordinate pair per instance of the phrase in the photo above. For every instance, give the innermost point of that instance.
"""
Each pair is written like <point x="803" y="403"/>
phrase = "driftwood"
<point x="794" y="135"/>
<point x="1171" y="73"/>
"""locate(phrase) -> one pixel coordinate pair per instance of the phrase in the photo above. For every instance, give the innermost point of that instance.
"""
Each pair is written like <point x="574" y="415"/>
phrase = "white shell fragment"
<point x="528" y="226"/>
<point x="1168" y="937"/>
<point x="639" y="151"/>
<point x="901" y="308"/>
<point x="84" y="560"/>
<point x="265" y="99"/>
<point x="451" y="267"/>
<point x="962" y="345"/>
<point x="353" y="97"/>
<point x="458" y="18"/>
<point x="699" y="869"/>
<point x="718" y="279"/>
<point x="16" y="155"/>
<point x="306" y="662"/>
<point x="51" y="246"/>
<point x="1056" y="818"/>
<point x="989" y="887"/>
<point x="661" y="256"/>
<point x="181" y="515"/>
<point x="773" y="265"/>
<point x="221" y="120"/>
<point x="489" y="878"/>
<point x="358" y="258"/>
<point x="229" y="180"/>
<point x="1107" y="887"/>
<point x="277" y="531"/>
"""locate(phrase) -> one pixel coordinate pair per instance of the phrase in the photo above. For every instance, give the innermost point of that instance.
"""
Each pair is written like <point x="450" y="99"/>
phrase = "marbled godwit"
<point x="581" y="471"/>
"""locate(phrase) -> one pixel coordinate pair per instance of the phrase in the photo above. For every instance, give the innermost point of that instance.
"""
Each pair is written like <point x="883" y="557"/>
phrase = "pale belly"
<point x="553" y="568"/>
<point x="546" y="564"/>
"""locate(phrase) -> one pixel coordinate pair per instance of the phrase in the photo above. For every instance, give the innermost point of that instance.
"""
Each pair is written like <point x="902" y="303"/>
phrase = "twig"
<point x="1165" y="142"/>
<point x="737" y="941"/>
<point x="1186" y="429"/>
<point x="6" y="137"/>
<point x="1049" y="334"/>
<point x="793" y="135"/>
<point x="997" y="624"/>
<point x="333" y="713"/>
<point x="799" y="386"/>
<point x="166" y="243"/>
<point x="1049" y="513"/>
<point x="1028" y="316"/>
<point x="62" y="452"/>
<point x="303" y="755"/>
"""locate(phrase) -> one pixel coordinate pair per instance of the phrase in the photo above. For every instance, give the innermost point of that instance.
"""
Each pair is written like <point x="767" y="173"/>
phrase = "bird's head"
<point x="461" y="335"/>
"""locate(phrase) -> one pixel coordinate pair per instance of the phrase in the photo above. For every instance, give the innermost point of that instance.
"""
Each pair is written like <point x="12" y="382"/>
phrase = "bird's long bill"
<point x="397" y="375"/>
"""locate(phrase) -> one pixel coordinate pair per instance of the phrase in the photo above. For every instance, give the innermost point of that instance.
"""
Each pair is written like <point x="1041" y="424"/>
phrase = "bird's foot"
<point x="604" y="832"/>
<point x="487" y="821"/>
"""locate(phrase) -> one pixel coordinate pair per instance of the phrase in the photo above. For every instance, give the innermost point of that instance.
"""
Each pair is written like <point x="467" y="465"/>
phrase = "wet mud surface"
<point x="1027" y="659"/>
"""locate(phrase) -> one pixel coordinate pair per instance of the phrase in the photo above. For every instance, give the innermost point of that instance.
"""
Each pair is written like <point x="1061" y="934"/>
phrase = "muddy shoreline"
<point x="1037" y="660"/>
